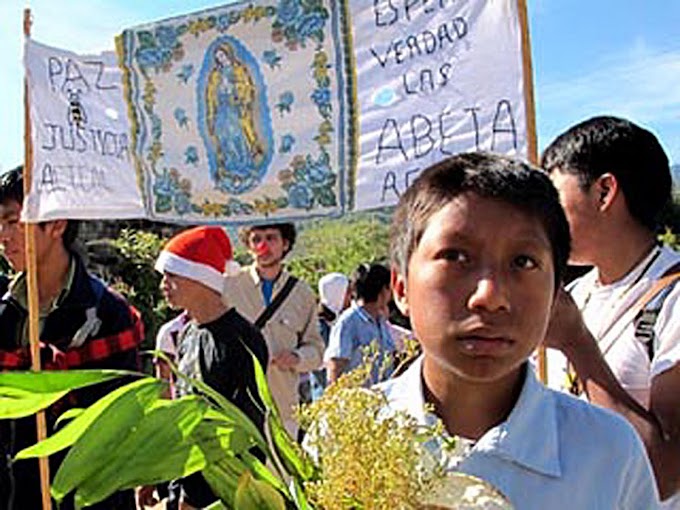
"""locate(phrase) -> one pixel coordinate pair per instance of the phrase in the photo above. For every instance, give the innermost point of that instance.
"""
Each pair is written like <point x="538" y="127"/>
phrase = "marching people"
<point x="479" y="304"/>
<point x="216" y="344"/>
<point x="334" y="297"/>
<point x="619" y="325"/>
<point x="83" y="325"/>
<point x="363" y="326"/>
<point x="283" y="308"/>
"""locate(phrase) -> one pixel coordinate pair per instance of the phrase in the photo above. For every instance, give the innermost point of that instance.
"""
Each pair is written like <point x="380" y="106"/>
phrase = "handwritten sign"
<point x="82" y="163"/>
<point x="434" y="78"/>
<point x="238" y="112"/>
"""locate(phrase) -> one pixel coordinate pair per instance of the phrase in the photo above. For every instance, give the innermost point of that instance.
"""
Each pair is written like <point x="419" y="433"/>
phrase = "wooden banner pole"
<point x="530" y="113"/>
<point x="32" y="279"/>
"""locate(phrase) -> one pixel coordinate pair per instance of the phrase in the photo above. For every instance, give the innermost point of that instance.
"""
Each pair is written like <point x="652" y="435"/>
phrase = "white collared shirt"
<point x="553" y="452"/>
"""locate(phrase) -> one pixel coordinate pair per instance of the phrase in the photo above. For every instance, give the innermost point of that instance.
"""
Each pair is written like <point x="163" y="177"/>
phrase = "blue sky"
<point x="619" y="57"/>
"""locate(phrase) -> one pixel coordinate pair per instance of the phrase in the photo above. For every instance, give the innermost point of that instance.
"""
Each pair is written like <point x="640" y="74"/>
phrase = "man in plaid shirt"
<point x="83" y="324"/>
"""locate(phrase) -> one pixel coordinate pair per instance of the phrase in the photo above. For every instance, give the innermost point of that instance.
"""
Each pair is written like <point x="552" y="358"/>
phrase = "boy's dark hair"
<point x="287" y="230"/>
<point x="487" y="176"/>
<point x="12" y="190"/>
<point x="369" y="280"/>
<point x="612" y="145"/>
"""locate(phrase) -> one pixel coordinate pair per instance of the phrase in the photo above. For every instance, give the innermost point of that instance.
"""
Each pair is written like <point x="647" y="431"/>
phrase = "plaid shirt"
<point x="94" y="350"/>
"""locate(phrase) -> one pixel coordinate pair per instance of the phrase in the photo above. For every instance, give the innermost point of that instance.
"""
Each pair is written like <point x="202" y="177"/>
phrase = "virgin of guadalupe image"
<point x="235" y="120"/>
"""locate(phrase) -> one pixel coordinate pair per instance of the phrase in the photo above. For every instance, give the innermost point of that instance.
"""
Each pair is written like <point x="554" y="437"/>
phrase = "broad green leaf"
<point x="223" y="476"/>
<point x="300" y="497"/>
<point x="100" y="430"/>
<point x="51" y="381"/>
<point x="73" y="430"/>
<point x="287" y="449"/>
<point x="69" y="415"/>
<point x="262" y="472"/>
<point x="19" y="403"/>
<point x="25" y="393"/>
<point x="229" y="410"/>
<point x="251" y="493"/>
<point x="217" y="505"/>
<point x="159" y="448"/>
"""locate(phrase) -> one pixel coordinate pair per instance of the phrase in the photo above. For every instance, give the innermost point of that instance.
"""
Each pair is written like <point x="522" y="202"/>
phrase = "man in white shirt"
<point x="613" y="178"/>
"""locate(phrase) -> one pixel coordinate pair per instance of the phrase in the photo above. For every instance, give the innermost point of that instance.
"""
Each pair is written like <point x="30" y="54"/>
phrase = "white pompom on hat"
<point x="202" y="254"/>
<point x="332" y="289"/>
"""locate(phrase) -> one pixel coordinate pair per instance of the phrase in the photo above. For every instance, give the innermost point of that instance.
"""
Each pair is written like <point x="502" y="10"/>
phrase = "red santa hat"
<point x="202" y="254"/>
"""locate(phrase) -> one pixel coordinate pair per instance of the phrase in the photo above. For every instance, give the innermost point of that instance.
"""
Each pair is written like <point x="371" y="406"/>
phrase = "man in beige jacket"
<point x="292" y="332"/>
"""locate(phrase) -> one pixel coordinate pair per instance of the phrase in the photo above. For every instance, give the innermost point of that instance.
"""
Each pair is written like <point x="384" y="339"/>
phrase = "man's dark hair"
<point x="369" y="280"/>
<point x="12" y="186"/>
<point x="617" y="146"/>
<point x="287" y="230"/>
<point x="12" y="190"/>
<point x="487" y="176"/>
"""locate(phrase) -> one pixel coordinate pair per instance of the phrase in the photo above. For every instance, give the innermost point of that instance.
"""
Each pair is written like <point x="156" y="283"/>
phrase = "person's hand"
<point x="145" y="496"/>
<point x="285" y="360"/>
<point x="566" y="328"/>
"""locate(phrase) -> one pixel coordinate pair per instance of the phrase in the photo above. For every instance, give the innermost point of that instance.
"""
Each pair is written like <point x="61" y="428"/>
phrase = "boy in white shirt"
<point x="479" y="246"/>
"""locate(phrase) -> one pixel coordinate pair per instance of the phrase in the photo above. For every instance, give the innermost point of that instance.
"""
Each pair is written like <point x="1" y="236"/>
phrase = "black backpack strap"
<point x="651" y="304"/>
<point x="276" y="303"/>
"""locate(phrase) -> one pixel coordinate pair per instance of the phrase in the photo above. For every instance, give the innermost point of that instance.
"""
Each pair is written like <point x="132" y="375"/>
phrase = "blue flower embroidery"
<point x="287" y="142"/>
<point x="185" y="73"/>
<point x="286" y="100"/>
<point x="191" y="155"/>
<point x="300" y="196"/>
<point x="288" y="10"/>
<point x="166" y="36"/>
<point x="181" y="117"/>
<point x="272" y="58"/>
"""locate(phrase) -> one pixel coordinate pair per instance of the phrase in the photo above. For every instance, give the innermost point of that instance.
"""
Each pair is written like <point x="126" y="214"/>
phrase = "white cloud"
<point x="641" y="84"/>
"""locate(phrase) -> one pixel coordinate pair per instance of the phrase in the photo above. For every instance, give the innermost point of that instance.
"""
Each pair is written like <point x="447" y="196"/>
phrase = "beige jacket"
<point x="294" y="327"/>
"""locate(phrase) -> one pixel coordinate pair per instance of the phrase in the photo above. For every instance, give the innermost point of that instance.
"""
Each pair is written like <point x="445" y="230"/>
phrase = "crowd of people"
<point x="479" y="249"/>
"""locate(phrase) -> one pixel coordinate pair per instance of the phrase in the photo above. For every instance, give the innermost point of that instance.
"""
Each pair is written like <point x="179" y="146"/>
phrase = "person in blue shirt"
<point x="362" y="326"/>
<point x="479" y="244"/>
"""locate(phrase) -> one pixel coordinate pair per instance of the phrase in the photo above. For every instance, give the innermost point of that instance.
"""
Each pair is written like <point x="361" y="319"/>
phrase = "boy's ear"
<point x="607" y="189"/>
<point x="57" y="228"/>
<point x="399" y="291"/>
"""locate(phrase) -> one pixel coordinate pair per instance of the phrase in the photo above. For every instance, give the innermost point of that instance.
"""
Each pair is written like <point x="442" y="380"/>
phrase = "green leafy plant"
<point x="134" y="437"/>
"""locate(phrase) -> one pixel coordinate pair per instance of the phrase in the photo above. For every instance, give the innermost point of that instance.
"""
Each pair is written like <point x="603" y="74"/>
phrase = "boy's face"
<point x="48" y="237"/>
<point x="180" y="292"/>
<point x="480" y="288"/>
<point x="267" y="246"/>
<point x="12" y="237"/>
<point x="581" y="209"/>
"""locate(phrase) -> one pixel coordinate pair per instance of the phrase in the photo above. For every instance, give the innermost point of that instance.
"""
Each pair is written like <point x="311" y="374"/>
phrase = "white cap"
<point x="332" y="290"/>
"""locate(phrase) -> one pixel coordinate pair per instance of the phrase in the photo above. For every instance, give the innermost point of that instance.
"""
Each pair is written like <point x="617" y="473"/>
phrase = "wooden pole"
<point x="32" y="279"/>
<point x="532" y="144"/>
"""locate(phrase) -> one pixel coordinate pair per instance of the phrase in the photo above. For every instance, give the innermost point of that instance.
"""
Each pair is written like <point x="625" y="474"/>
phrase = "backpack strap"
<point x="649" y="306"/>
<point x="92" y="323"/>
<point x="276" y="303"/>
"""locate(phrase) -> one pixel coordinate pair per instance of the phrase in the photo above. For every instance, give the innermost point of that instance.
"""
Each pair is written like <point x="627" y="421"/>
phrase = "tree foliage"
<point x="339" y="245"/>
<point x="134" y="276"/>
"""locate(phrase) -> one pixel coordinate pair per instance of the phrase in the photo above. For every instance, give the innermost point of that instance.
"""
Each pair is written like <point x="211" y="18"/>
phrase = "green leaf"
<point x="159" y="448"/>
<point x="25" y="393"/>
<point x="69" y="415"/>
<point x="251" y="493"/>
<point x="287" y="449"/>
<point x="100" y="430"/>
<point x="67" y="436"/>
<point x="18" y="403"/>
<point x="228" y="411"/>
<point x="223" y="476"/>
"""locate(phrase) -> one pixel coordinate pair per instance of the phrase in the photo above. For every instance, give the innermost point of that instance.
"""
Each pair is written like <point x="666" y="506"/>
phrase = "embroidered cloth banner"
<point x="238" y="112"/>
<point x="82" y="165"/>
<point x="434" y="78"/>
